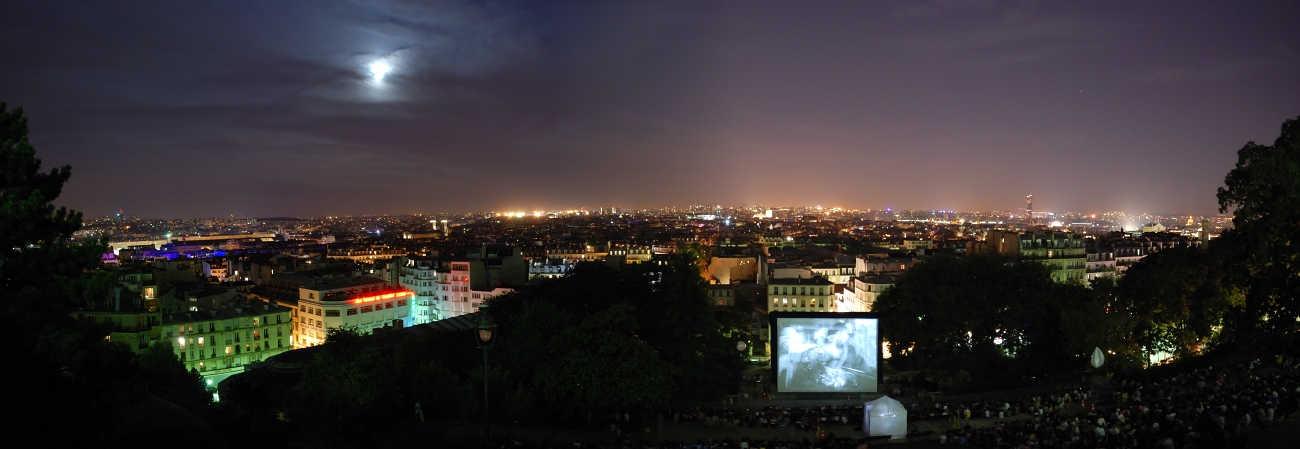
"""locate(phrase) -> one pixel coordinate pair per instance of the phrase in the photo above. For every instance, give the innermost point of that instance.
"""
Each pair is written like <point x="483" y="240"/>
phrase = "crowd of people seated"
<point x="1203" y="408"/>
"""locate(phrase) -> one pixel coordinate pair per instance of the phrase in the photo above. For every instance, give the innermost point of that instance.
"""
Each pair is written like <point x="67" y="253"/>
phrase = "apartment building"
<point x="128" y="316"/>
<point x="363" y="303"/>
<point x="219" y="343"/>
<point x="421" y="277"/>
<point x="816" y="294"/>
<point x="547" y="268"/>
<point x="861" y="294"/>
<point x="1064" y="252"/>
<point x="722" y="295"/>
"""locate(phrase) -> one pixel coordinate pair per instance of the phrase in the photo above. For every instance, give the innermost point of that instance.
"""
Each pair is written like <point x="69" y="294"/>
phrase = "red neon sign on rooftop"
<point x="380" y="297"/>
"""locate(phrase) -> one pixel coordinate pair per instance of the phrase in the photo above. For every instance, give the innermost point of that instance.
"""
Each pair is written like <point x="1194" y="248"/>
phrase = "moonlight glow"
<point x="379" y="68"/>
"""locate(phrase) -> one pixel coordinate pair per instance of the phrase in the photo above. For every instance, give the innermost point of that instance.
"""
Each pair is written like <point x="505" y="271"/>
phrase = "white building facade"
<point x="458" y="297"/>
<point x="363" y="303"/>
<point x="421" y="277"/>
<point x="801" y="295"/>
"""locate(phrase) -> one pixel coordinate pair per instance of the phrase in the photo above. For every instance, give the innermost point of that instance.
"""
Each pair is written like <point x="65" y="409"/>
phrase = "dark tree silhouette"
<point x="988" y="315"/>
<point x="1263" y="193"/>
<point x="68" y="372"/>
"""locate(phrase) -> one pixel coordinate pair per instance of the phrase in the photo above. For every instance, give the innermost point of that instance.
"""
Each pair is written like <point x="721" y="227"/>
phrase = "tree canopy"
<point x="36" y="260"/>
<point x="68" y="370"/>
<point x="987" y="314"/>
<point x="1177" y="299"/>
<point x="656" y="318"/>
<point x="1263" y="193"/>
<point x="601" y="339"/>
<point x="348" y="390"/>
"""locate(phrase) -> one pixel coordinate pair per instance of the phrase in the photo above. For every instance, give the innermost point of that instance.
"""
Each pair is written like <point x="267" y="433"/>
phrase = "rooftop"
<point x="816" y="280"/>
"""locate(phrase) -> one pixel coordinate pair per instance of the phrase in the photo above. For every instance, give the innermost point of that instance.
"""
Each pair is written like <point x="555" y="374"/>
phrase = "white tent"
<point x="885" y="416"/>
<point x="1098" y="358"/>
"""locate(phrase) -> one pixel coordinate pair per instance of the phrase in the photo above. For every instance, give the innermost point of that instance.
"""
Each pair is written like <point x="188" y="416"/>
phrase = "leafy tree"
<point x="68" y="371"/>
<point x="1105" y="322"/>
<point x="1263" y="193"/>
<point x="347" y="392"/>
<point x="697" y="254"/>
<point x="600" y="364"/>
<point x="39" y="269"/>
<point x="159" y="365"/>
<point x="605" y="338"/>
<point x="976" y="313"/>
<point x="527" y="332"/>
<point x="680" y="323"/>
<point x="441" y="393"/>
<point x="1178" y="300"/>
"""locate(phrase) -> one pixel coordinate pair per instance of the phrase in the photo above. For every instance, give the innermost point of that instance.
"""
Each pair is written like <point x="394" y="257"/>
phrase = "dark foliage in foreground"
<point x="65" y="371"/>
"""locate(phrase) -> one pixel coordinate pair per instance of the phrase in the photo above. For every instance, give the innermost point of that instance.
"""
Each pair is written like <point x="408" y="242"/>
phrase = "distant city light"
<point x="379" y="69"/>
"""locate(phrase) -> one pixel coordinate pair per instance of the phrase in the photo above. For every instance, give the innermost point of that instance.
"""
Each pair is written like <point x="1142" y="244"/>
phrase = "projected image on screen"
<point x="826" y="354"/>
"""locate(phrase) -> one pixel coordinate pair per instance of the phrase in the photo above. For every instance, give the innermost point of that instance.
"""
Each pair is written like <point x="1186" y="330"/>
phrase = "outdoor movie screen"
<point x="825" y="352"/>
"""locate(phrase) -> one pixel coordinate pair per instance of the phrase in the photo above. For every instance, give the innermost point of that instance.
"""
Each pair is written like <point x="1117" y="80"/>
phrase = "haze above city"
<point x="349" y="108"/>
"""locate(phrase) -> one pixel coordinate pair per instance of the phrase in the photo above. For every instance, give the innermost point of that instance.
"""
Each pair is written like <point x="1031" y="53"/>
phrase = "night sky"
<point x="191" y="109"/>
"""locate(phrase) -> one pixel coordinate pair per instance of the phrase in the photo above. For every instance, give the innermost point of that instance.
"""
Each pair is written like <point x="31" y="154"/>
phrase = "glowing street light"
<point x="486" y="335"/>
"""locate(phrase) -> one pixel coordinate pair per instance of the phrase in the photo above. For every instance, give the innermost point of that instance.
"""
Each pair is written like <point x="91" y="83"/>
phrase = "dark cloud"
<point x="267" y="108"/>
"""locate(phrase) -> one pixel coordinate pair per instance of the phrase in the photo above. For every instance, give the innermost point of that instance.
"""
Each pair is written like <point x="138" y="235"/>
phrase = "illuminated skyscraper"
<point x="1029" y="207"/>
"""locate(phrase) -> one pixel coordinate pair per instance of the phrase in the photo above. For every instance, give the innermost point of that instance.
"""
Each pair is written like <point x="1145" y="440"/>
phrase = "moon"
<point x="379" y="69"/>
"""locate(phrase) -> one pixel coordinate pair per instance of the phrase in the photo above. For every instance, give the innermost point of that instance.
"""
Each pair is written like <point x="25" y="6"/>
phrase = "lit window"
<point x="181" y="341"/>
<point x="200" y="342"/>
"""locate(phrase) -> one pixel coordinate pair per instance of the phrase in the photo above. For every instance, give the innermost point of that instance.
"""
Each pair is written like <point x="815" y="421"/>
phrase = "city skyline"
<point x="685" y="209"/>
<point x="340" y="108"/>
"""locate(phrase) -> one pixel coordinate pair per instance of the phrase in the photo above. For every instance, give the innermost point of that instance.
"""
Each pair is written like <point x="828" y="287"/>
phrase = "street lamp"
<point x="487" y="330"/>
